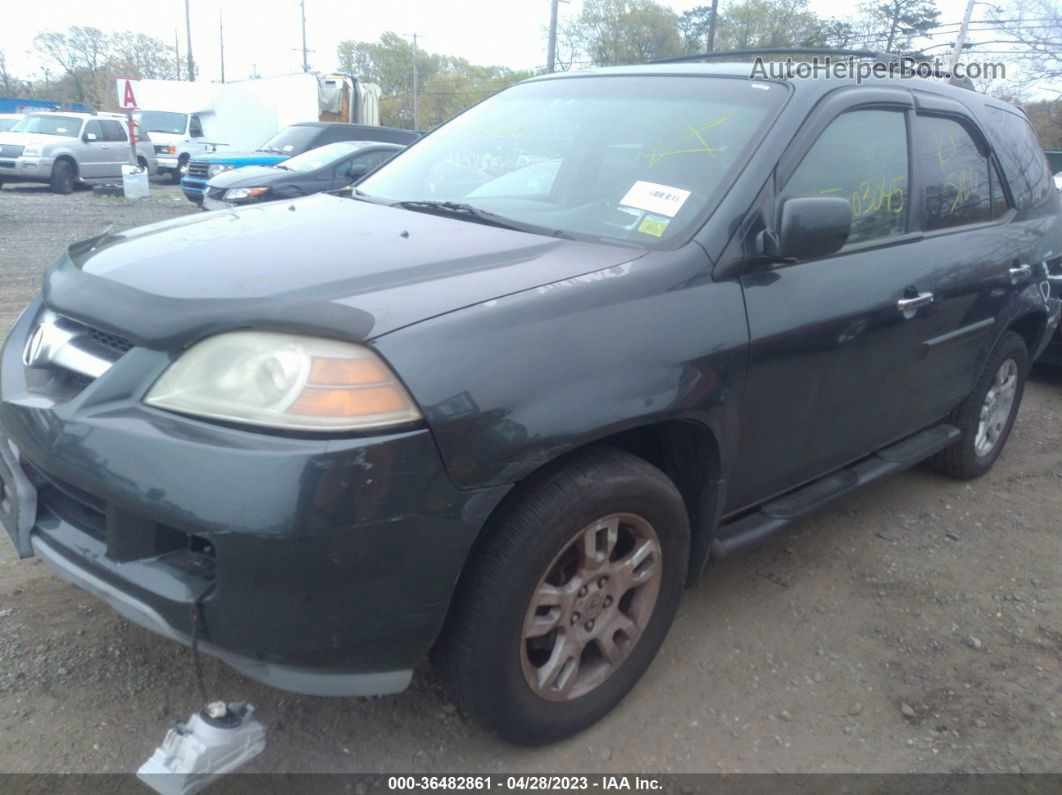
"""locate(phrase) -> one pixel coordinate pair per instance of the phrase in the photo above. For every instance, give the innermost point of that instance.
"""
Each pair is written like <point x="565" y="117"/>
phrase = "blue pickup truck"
<point x="290" y="141"/>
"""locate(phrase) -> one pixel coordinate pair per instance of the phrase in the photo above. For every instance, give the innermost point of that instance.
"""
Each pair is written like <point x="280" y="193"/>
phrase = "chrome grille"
<point x="10" y="150"/>
<point x="197" y="170"/>
<point x="111" y="342"/>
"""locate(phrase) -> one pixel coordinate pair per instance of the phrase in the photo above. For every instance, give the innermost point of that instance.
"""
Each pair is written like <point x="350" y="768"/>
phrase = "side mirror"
<point x="357" y="171"/>
<point x="88" y="137"/>
<point x="810" y="227"/>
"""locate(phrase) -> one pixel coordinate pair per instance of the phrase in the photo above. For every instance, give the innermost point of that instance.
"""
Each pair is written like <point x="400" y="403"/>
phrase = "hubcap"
<point x="591" y="607"/>
<point x="996" y="409"/>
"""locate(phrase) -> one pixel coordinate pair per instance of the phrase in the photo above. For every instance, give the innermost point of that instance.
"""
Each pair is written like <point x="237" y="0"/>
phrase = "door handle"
<point x="907" y="304"/>
<point x="1020" y="271"/>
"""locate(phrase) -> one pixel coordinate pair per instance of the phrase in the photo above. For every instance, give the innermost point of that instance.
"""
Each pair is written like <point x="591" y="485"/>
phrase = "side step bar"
<point x="776" y="515"/>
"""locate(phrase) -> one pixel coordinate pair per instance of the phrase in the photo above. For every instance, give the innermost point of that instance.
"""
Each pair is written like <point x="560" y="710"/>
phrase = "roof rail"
<point x="757" y="52"/>
<point x="877" y="55"/>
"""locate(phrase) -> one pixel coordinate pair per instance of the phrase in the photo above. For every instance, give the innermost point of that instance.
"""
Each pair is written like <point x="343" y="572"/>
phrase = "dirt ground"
<point x="916" y="626"/>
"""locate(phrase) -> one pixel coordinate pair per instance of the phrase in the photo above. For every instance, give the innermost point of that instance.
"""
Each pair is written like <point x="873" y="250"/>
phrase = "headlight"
<point x="243" y="193"/>
<point x="31" y="151"/>
<point x="213" y="171"/>
<point x="284" y="381"/>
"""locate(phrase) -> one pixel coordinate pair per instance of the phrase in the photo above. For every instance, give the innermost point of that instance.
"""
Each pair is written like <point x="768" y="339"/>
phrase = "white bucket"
<point x="134" y="182"/>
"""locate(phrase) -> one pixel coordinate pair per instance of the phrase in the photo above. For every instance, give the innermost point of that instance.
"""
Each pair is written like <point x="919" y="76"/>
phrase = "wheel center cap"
<point x="593" y="605"/>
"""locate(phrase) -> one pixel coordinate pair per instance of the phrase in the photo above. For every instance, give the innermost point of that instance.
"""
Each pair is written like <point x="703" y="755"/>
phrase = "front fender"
<point x="510" y="384"/>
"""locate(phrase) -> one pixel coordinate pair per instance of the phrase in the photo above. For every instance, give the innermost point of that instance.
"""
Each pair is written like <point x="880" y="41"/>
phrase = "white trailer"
<point x="185" y="119"/>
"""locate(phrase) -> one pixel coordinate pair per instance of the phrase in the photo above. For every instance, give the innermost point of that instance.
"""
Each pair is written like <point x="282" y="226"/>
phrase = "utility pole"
<point x="962" y="37"/>
<point x="551" y="52"/>
<point x="416" y="104"/>
<point x="221" y="42"/>
<point x="305" y="62"/>
<point x="177" y="54"/>
<point x="711" y="25"/>
<point x="188" y="34"/>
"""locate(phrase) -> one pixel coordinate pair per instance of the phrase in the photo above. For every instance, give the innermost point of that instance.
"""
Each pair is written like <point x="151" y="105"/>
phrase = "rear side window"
<point x="1024" y="162"/>
<point x="861" y="157"/>
<point x="953" y="172"/>
<point x="113" y="130"/>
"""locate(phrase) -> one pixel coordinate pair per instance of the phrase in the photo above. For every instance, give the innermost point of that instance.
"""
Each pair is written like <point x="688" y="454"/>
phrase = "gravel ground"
<point x="916" y="626"/>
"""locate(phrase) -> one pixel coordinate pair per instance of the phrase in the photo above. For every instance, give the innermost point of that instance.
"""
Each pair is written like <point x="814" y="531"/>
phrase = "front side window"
<point x="860" y="157"/>
<point x="195" y="128"/>
<point x="953" y="170"/>
<point x="93" y="128"/>
<point x="635" y="158"/>
<point x="68" y="126"/>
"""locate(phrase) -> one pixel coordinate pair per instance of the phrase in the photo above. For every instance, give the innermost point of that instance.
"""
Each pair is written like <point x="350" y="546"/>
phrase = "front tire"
<point x="62" y="179"/>
<point x="987" y="416"/>
<point x="567" y="602"/>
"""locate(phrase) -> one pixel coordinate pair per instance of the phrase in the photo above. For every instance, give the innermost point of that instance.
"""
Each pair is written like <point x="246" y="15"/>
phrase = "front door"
<point x="831" y="344"/>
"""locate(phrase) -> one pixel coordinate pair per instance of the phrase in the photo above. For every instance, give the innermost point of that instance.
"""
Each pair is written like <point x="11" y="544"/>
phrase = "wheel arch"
<point x="687" y="451"/>
<point x="1030" y="326"/>
<point x="65" y="157"/>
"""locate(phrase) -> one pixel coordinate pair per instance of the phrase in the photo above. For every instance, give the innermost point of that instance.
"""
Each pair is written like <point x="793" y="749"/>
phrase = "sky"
<point x="264" y="35"/>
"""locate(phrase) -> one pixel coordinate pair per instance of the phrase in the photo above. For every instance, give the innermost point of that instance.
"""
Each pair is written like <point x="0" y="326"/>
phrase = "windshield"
<point x="320" y="157"/>
<point x="7" y="124"/>
<point x="161" y="121"/>
<point x="49" y="125"/>
<point x="290" y="141"/>
<point x="633" y="158"/>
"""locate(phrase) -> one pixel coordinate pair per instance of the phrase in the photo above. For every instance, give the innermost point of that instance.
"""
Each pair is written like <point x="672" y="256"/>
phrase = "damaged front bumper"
<point x="323" y="566"/>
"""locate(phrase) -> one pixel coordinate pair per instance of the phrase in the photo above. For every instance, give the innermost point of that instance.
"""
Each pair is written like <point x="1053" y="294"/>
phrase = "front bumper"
<point x="194" y="189"/>
<point x="324" y="566"/>
<point x="26" y="168"/>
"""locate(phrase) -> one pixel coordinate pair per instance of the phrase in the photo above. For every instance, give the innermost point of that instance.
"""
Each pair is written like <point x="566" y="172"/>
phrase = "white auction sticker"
<point x="659" y="199"/>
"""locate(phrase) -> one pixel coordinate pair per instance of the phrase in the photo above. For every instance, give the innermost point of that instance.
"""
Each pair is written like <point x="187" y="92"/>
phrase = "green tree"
<point x="902" y="21"/>
<point x="624" y="31"/>
<point x="446" y="85"/>
<point x="771" y="23"/>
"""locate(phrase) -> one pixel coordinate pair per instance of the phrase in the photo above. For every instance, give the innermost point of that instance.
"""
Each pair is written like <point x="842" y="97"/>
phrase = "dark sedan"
<point x="325" y="168"/>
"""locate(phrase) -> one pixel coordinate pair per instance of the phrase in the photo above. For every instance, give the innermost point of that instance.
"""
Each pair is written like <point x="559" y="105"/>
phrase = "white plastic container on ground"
<point x="134" y="182"/>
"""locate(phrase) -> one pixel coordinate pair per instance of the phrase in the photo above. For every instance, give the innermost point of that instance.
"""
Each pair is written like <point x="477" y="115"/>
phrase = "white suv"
<point x="66" y="147"/>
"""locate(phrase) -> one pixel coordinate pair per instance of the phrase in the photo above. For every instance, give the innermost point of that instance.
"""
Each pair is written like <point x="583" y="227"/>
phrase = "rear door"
<point x="970" y="257"/>
<point x="117" y="146"/>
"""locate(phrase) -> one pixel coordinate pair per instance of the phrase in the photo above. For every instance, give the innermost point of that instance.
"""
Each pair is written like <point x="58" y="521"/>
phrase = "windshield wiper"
<point x="475" y="214"/>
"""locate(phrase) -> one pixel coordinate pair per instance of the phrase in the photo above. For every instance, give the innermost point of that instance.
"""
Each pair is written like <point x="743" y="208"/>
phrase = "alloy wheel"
<point x="591" y="607"/>
<point x="995" y="411"/>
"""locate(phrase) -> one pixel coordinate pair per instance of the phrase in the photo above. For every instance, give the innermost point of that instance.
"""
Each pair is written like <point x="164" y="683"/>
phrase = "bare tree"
<point x="82" y="53"/>
<point x="1035" y="28"/>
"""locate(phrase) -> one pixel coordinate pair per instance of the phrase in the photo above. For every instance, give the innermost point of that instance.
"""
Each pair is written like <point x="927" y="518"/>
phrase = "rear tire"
<point x="987" y="416"/>
<point x="62" y="180"/>
<point x="601" y="543"/>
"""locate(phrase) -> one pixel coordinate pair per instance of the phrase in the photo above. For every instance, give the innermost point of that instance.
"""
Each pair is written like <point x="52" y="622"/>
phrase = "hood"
<point x="36" y="139"/>
<point x="248" y="176"/>
<point x="164" y="137"/>
<point x="242" y="158"/>
<point x="322" y="264"/>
